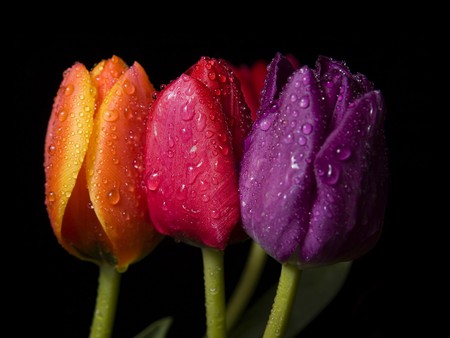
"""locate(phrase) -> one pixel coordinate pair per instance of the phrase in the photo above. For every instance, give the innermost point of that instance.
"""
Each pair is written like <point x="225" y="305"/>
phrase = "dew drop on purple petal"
<point x="332" y="175"/>
<point x="343" y="153"/>
<point x="304" y="101"/>
<point x="307" y="128"/>
<point x="302" y="140"/>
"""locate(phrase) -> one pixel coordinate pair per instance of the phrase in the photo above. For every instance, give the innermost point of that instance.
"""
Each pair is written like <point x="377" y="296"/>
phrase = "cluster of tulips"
<point x="289" y="157"/>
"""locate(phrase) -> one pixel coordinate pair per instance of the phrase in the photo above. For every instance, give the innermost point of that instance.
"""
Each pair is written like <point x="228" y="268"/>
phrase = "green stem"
<point x="213" y="270"/>
<point x="284" y="299"/>
<point x="105" y="307"/>
<point x="253" y="268"/>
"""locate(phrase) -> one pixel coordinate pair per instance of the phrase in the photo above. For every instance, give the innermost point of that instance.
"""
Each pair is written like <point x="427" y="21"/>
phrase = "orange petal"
<point x="68" y="132"/>
<point x="105" y="74"/>
<point x="115" y="167"/>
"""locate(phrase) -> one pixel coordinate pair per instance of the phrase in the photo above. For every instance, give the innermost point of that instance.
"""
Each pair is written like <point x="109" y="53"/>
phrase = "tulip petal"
<point x="219" y="77"/>
<point x="115" y="166"/>
<point x="252" y="82"/>
<point x="82" y="233"/>
<point x="278" y="72"/>
<point x="68" y="133"/>
<point x="105" y="74"/>
<point x="340" y="86"/>
<point x="191" y="174"/>
<point x="276" y="188"/>
<point x="351" y="179"/>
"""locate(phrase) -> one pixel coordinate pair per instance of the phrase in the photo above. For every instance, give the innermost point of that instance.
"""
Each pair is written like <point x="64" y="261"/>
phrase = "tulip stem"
<point x="283" y="302"/>
<point x="213" y="270"/>
<point x="105" y="307"/>
<point x="250" y="276"/>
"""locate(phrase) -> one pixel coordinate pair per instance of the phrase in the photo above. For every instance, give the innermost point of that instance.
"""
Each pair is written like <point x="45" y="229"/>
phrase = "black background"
<point x="387" y="293"/>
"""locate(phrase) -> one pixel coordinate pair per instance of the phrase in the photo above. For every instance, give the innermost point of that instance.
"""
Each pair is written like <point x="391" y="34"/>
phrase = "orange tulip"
<point x="94" y="163"/>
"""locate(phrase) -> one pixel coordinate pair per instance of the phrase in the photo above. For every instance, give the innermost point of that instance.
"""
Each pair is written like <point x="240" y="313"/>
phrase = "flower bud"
<point x="193" y="150"/>
<point x="94" y="163"/>
<point x="314" y="177"/>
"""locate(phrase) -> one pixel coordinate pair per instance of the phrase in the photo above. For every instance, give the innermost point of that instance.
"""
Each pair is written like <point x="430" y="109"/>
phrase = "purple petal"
<point x="278" y="72"/>
<point x="277" y="183"/>
<point x="351" y="178"/>
<point x="340" y="86"/>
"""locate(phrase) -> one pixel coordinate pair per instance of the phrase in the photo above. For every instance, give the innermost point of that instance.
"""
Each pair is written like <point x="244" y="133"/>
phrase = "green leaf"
<point x="317" y="288"/>
<point x="156" y="329"/>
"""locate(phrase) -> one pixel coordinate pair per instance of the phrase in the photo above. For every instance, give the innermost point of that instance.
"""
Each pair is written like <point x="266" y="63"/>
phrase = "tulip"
<point x="94" y="163"/>
<point x="193" y="150"/>
<point x="314" y="178"/>
<point x="252" y="82"/>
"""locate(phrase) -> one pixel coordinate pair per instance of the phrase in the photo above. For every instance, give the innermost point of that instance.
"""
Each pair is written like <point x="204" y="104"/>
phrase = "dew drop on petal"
<point x="113" y="196"/>
<point x="343" y="153"/>
<point x="68" y="90"/>
<point x="265" y="124"/>
<point x="304" y="101"/>
<point x="302" y="140"/>
<point x="307" y="128"/>
<point x="62" y="115"/>
<point x="111" y="115"/>
<point x="153" y="181"/>
<point x="128" y="87"/>
<point x="332" y="175"/>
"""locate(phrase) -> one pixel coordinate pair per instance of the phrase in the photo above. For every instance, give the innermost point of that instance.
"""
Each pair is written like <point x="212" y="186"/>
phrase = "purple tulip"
<point x="314" y="174"/>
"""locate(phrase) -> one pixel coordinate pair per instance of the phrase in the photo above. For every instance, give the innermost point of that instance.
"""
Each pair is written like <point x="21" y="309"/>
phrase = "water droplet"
<point x="343" y="153"/>
<point x="293" y="98"/>
<point x="307" y="128"/>
<point x="209" y="134"/>
<point x="113" y="196"/>
<point x="225" y="150"/>
<point x="51" y="197"/>
<point x="215" y="214"/>
<point x="265" y="124"/>
<point x="302" y="140"/>
<point x="201" y="122"/>
<point x="288" y="138"/>
<point x="153" y="181"/>
<point x="181" y="193"/>
<point x="68" y="90"/>
<point x="189" y="91"/>
<point x="51" y="149"/>
<point x="62" y="115"/>
<point x="333" y="173"/>
<point x="171" y="141"/>
<point x="111" y="115"/>
<point x="187" y="111"/>
<point x="212" y="76"/>
<point x="205" y="197"/>
<point x="170" y="153"/>
<point x="128" y="87"/>
<point x="304" y="101"/>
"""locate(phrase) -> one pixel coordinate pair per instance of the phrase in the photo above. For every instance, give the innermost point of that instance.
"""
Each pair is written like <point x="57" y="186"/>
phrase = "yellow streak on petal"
<point x="115" y="166"/>
<point x="66" y="143"/>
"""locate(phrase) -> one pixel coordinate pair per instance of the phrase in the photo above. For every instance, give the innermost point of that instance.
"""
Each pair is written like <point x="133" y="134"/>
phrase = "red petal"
<point x="190" y="171"/>
<point x="225" y="87"/>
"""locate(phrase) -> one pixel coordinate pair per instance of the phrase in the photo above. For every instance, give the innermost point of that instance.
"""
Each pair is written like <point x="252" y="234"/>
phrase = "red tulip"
<point x="193" y="150"/>
<point x="252" y="82"/>
<point x="94" y="163"/>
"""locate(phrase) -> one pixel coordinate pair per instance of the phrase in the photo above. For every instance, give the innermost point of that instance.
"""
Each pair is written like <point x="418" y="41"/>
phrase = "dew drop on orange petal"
<point x="128" y="87"/>
<point x="68" y="90"/>
<point x="62" y="115"/>
<point x="51" y="197"/>
<point x="111" y="115"/>
<point x="113" y="196"/>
